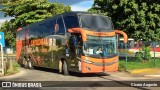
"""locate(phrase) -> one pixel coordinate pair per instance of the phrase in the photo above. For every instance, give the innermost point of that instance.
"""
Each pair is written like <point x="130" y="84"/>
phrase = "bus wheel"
<point x="25" y="63"/>
<point x="30" y="65"/>
<point x="64" y="68"/>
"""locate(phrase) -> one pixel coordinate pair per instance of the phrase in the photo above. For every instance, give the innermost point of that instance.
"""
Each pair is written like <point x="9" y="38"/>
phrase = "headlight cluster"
<point x="87" y="61"/>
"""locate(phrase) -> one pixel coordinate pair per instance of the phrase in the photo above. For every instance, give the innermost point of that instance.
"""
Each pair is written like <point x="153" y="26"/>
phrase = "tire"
<point x="64" y="68"/>
<point x="30" y="65"/>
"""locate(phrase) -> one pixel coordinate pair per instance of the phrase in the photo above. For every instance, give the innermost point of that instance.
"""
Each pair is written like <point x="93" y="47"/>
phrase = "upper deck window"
<point x="61" y="30"/>
<point x="96" y="22"/>
<point x="19" y="35"/>
<point x="71" y="22"/>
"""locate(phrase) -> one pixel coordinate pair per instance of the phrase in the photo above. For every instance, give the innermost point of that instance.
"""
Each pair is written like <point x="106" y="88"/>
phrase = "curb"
<point x="129" y="75"/>
<point x="151" y="75"/>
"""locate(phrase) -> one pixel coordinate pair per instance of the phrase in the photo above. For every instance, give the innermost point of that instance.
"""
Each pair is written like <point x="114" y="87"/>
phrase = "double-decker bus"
<point x="72" y="41"/>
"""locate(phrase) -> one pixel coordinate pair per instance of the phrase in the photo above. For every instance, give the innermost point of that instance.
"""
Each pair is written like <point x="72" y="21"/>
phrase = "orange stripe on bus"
<point x="93" y="33"/>
<point x="19" y="29"/>
<point x="18" y="49"/>
<point x="122" y="33"/>
<point x="100" y="60"/>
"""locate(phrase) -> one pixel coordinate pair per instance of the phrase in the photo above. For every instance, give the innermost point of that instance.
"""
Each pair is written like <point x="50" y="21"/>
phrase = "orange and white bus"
<point x="135" y="47"/>
<point x="72" y="41"/>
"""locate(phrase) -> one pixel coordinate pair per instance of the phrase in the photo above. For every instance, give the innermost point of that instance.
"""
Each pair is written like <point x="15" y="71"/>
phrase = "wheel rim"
<point x="29" y="64"/>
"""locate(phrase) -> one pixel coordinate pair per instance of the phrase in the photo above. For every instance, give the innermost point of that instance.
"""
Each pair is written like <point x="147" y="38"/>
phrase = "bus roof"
<point x="62" y="14"/>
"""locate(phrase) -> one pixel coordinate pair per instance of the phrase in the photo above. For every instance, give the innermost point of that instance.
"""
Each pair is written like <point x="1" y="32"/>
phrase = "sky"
<point x="76" y="5"/>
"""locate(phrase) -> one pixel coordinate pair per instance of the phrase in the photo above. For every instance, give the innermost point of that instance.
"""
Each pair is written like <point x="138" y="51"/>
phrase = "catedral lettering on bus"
<point x="72" y="41"/>
<point x="43" y="41"/>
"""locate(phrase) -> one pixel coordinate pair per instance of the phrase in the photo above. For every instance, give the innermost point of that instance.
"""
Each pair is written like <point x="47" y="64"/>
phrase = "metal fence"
<point x="6" y="61"/>
<point x="137" y="55"/>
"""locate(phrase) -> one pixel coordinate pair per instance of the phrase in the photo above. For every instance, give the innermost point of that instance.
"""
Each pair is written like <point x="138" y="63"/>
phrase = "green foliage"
<point x="146" y="53"/>
<point x="10" y="33"/>
<point x="12" y="67"/>
<point x="25" y="12"/>
<point x="122" y="66"/>
<point x="131" y="64"/>
<point x="3" y="1"/>
<point x="138" y="18"/>
<point x="139" y="56"/>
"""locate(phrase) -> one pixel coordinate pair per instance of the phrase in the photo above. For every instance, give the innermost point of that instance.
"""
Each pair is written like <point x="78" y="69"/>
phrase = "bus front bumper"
<point x="99" y="65"/>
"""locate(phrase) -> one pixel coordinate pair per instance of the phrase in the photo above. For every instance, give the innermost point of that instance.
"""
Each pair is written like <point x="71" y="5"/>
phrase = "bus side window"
<point x="60" y="25"/>
<point x="19" y="35"/>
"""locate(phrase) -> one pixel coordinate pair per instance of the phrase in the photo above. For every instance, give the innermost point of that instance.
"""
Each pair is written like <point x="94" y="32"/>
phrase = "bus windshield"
<point x="100" y="46"/>
<point x="96" y="22"/>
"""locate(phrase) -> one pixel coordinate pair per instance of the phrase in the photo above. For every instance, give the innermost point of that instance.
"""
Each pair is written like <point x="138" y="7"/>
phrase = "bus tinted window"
<point x="71" y="22"/>
<point x="96" y="23"/>
<point x="33" y="31"/>
<point x="19" y="35"/>
<point x="61" y="30"/>
<point x="47" y="27"/>
<point x="50" y="26"/>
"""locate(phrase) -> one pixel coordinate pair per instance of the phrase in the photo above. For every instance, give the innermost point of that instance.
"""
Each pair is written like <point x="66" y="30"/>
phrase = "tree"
<point x="138" y="18"/>
<point x="9" y="33"/>
<point x="25" y="12"/>
<point x="3" y="1"/>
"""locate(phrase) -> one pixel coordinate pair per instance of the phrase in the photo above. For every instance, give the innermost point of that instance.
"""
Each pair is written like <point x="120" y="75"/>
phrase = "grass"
<point x="12" y="68"/>
<point x="135" y="64"/>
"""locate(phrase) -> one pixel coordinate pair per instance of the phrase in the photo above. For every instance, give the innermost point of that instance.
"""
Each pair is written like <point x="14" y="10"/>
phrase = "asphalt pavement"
<point x="50" y="78"/>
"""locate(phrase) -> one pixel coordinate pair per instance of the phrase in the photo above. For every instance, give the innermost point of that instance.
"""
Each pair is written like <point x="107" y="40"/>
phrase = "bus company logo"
<point x="100" y="34"/>
<point x="6" y="84"/>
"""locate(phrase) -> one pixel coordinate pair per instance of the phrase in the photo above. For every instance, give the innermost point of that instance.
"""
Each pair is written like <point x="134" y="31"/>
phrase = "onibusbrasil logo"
<point x="21" y="84"/>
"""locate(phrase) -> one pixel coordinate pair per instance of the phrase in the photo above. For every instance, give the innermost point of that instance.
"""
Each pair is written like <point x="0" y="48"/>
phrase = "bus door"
<point x="74" y="51"/>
